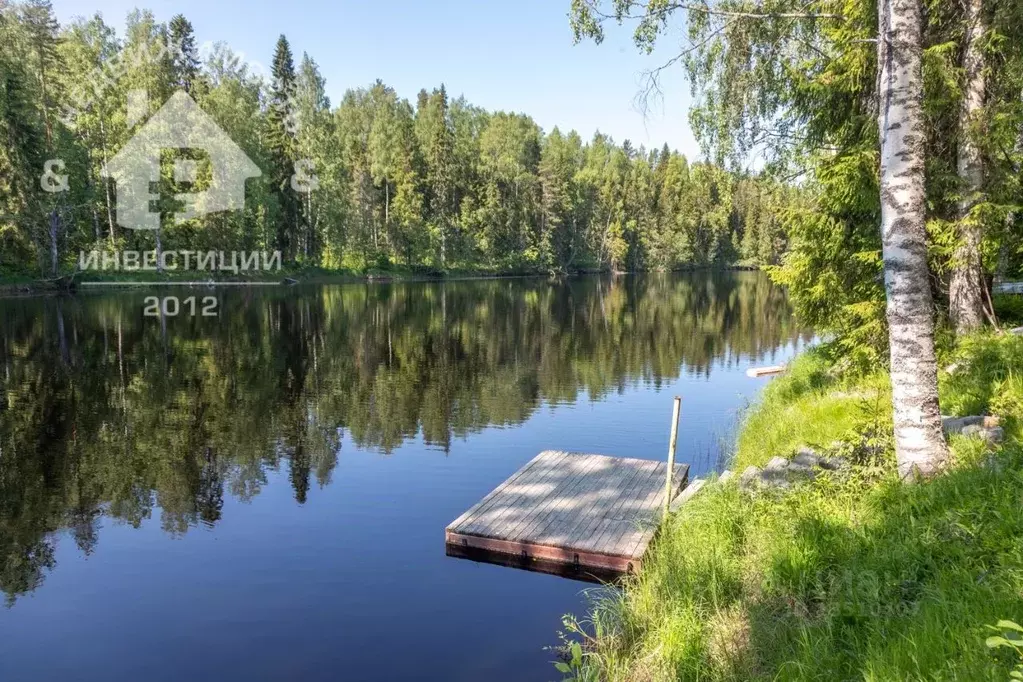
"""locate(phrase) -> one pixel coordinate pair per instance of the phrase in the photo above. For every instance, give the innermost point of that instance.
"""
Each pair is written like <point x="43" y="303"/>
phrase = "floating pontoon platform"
<point x="569" y="509"/>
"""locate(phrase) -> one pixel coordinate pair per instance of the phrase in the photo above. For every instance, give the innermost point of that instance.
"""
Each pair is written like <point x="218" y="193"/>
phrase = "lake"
<point x="262" y="494"/>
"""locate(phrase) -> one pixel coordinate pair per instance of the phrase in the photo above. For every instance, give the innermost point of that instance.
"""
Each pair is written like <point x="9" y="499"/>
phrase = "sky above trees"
<point x="501" y="57"/>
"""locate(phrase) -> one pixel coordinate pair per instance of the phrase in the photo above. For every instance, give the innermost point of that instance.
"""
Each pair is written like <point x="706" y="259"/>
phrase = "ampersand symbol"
<point x="51" y="180"/>
<point x="304" y="180"/>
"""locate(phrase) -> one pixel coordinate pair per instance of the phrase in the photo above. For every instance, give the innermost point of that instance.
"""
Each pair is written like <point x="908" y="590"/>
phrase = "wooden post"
<point x="676" y="413"/>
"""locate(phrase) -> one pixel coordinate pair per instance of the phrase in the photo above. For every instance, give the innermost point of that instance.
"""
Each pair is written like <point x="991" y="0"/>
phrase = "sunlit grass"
<point x="858" y="578"/>
<point x="808" y="406"/>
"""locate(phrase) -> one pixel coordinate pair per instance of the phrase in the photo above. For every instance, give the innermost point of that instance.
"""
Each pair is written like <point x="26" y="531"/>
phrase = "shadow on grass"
<point x="846" y="580"/>
<point x="904" y="595"/>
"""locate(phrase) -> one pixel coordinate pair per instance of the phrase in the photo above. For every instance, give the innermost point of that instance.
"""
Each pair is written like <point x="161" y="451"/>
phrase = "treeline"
<point x="904" y="121"/>
<point x="105" y="413"/>
<point x="433" y="183"/>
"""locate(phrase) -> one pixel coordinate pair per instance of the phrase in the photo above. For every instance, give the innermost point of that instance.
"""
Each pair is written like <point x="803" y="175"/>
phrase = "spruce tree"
<point x="186" y="63"/>
<point x="21" y="145"/>
<point x="281" y="145"/>
<point x="438" y="141"/>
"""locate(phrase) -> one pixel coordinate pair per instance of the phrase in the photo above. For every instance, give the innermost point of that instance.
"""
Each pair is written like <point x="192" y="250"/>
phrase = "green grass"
<point x="848" y="578"/>
<point x="988" y="377"/>
<point x="809" y="406"/>
<point x="1009" y="309"/>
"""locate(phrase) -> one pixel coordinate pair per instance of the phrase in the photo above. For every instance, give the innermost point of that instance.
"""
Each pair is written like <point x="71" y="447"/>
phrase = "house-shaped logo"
<point x="179" y="125"/>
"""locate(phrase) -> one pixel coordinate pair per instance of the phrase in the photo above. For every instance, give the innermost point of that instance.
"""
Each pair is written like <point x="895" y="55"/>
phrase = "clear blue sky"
<point x="513" y="55"/>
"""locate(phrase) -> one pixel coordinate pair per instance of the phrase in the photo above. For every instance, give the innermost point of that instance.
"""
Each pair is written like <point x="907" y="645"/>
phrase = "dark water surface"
<point x="262" y="495"/>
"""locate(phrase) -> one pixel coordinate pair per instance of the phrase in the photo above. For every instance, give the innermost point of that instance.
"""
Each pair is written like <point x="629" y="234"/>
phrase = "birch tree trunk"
<point x="54" y="220"/>
<point x="919" y="443"/>
<point x="966" y="297"/>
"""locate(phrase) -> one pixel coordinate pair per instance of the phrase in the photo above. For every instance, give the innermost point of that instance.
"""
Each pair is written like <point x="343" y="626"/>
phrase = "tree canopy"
<point x="434" y="183"/>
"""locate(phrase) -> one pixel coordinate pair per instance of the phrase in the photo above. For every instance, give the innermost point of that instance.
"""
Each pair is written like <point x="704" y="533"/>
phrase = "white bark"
<point x="159" y="252"/>
<point x="966" y="298"/>
<point x="919" y="443"/>
<point x="54" y="219"/>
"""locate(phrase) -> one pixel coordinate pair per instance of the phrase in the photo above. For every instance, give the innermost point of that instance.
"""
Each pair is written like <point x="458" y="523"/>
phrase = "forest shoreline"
<point x="25" y="286"/>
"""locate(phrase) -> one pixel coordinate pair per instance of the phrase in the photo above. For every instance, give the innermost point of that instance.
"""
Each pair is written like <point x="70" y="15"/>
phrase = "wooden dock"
<point x="569" y="509"/>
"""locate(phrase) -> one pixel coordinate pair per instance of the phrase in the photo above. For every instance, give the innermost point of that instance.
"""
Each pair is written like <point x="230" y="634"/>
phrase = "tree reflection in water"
<point x="104" y="412"/>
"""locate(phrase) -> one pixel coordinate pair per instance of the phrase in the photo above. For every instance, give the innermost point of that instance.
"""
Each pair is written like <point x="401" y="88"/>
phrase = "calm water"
<point x="263" y="495"/>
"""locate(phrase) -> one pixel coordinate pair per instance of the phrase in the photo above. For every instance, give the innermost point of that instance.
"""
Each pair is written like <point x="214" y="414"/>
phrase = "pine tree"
<point x="43" y="37"/>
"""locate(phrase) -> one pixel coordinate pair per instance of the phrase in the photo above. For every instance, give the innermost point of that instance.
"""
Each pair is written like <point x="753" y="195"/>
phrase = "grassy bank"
<point x="854" y="577"/>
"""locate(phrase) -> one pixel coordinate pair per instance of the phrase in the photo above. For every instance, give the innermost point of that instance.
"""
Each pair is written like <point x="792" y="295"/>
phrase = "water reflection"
<point x="107" y="413"/>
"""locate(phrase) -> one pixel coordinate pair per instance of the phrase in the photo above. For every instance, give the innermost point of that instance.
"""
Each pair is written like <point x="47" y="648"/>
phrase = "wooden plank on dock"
<point x="579" y="510"/>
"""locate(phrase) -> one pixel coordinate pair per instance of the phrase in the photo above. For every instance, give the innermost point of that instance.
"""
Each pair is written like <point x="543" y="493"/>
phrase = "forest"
<point x="435" y="184"/>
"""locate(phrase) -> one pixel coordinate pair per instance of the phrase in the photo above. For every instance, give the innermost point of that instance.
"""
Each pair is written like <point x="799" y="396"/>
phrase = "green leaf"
<point x="1009" y="625"/>
<point x="563" y="667"/>
<point x="1014" y="638"/>
<point x="996" y="642"/>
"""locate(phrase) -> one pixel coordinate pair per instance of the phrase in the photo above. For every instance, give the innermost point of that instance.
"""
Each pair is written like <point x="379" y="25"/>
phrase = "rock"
<point x="953" y="368"/>
<point x="992" y="422"/>
<point x="994" y="434"/>
<point x="952" y="425"/>
<point x="727" y="476"/>
<point x="806" y="458"/>
<point x="1018" y="331"/>
<point x="777" y="473"/>
<point x="750" y="477"/>
<point x="781" y="474"/>
<point x="835" y="463"/>
<point x="801" y="466"/>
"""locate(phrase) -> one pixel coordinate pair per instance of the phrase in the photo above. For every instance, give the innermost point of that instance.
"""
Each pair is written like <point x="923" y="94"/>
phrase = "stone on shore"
<point x="750" y="477"/>
<point x="953" y="425"/>
<point x="993" y="435"/>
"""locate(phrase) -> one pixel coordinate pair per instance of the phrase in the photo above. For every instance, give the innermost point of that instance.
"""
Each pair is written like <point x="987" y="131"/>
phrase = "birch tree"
<point x="919" y="443"/>
<point x="765" y="70"/>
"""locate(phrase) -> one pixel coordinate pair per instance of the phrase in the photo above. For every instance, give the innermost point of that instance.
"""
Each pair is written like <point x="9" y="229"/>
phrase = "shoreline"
<point x="749" y="578"/>
<point x="19" y="288"/>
